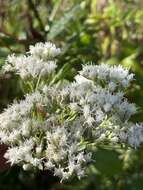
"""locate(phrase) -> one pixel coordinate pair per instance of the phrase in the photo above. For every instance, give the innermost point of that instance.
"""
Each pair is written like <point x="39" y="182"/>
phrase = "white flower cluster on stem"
<point x="52" y="128"/>
<point x="39" y="61"/>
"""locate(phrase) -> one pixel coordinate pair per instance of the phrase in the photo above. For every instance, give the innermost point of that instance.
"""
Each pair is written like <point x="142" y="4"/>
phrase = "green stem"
<point x="30" y="86"/>
<point x="38" y="82"/>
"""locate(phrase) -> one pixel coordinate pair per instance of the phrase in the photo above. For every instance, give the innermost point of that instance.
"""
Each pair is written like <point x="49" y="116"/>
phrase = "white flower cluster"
<point x="39" y="137"/>
<point x="39" y="61"/>
<point x="51" y="127"/>
<point x="113" y="76"/>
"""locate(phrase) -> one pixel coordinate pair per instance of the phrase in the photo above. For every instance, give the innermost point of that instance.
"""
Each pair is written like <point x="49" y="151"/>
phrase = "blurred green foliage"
<point x="109" y="31"/>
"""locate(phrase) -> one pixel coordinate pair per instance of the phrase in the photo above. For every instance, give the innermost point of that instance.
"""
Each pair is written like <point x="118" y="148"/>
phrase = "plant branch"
<point x="33" y="8"/>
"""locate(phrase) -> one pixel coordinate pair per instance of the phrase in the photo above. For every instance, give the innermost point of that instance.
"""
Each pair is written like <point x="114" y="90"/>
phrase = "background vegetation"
<point x="109" y="31"/>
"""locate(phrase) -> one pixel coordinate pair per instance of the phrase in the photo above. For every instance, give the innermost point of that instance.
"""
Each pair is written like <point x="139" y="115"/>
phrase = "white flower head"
<point x="44" y="50"/>
<point x="41" y="61"/>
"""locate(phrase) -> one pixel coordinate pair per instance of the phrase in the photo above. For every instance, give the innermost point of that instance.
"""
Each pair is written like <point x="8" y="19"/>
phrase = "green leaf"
<point x="55" y="9"/>
<point x="62" y="73"/>
<point x="60" y="25"/>
<point x="108" y="162"/>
